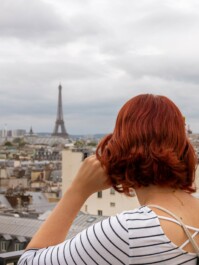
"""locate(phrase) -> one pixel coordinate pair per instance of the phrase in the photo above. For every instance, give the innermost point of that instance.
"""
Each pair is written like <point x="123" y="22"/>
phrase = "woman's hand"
<point x="91" y="177"/>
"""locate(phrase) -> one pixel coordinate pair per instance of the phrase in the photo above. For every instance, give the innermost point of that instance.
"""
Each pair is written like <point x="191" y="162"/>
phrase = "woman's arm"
<point x="90" y="178"/>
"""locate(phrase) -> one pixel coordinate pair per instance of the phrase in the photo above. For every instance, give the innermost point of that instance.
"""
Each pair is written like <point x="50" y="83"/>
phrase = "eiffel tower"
<point x="60" y="119"/>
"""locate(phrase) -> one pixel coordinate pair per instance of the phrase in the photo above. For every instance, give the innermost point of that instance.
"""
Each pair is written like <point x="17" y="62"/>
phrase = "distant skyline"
<point x="102" y="52"/>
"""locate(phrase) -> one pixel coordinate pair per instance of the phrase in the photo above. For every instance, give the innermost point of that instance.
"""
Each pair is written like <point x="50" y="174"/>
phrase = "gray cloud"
<point x="27" y="19"/>
<point x="37" y="21"/>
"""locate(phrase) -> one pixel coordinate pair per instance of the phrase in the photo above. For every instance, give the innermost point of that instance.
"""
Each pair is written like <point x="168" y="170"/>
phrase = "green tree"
<point x="8" y="143"/>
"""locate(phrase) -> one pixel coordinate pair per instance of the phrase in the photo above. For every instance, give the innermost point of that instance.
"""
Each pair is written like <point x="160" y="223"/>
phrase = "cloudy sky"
<point x="103" y="52"/>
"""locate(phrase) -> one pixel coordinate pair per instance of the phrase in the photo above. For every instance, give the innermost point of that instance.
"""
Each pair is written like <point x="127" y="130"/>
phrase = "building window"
<point x="112" y="191"/>
<point x="18" y="246"/>
<point x="99" y="194"/>
<point x="85" y="154"/>
<point x="4" y="245"/>
<point x="99" y="212"/>
<point x="112" y="204"/>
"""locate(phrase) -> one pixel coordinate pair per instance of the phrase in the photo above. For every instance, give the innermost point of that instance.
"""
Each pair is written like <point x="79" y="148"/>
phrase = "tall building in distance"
<point x="59" y="123"/>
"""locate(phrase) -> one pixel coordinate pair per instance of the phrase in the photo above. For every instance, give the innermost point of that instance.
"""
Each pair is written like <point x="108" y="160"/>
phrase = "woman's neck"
<point x="162" y="196"/>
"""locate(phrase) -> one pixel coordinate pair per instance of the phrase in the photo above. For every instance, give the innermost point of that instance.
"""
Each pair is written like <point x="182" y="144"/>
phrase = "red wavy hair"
<point x="148" y="146"/>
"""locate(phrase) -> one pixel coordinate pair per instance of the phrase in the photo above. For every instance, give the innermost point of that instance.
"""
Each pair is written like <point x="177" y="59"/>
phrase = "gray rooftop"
<point x="48" y="140"/>
<point x="40" y="203"/>
<point x="25" y="227"/>
<point x="16" y="226"/>
<point x="4" y="202"/>
<point x="82" y="221"/>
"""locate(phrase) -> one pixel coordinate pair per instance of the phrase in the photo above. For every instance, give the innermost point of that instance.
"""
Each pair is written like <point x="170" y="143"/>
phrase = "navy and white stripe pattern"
<point x="133" y="237"/>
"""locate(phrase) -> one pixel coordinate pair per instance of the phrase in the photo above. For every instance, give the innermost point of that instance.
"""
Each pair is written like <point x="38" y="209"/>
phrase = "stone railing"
<point x="10" y="258"/>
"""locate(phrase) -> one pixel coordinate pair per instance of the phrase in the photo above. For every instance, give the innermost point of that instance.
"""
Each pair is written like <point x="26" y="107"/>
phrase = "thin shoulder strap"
<point x="192" y="241"/>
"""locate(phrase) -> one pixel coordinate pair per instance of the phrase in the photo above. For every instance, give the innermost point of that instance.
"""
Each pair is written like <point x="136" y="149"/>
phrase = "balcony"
<point x="10" y="258"/>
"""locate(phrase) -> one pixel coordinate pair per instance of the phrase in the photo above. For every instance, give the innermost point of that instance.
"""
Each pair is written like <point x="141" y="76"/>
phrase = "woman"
<point x="148" y="151"/>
